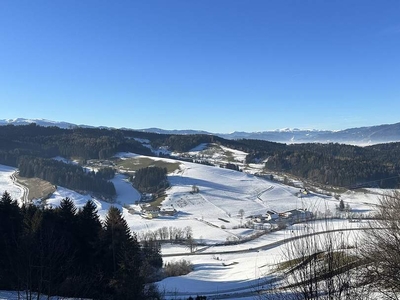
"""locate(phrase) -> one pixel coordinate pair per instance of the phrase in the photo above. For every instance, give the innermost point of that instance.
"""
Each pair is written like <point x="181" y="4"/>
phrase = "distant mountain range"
<point x="361" y="136"/>
<point x="354" y="136"/>
<point x="41" y="122"/>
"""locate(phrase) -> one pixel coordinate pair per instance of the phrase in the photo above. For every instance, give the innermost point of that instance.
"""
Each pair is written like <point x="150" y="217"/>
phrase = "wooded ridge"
<point x="334" y="164"/>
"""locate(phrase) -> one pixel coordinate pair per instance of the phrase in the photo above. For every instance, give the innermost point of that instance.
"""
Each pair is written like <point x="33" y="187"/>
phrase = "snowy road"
<point x="254" y="287"/>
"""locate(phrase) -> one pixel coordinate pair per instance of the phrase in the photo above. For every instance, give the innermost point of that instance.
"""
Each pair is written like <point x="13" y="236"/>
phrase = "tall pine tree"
<point x="122" y="258"/>
<point x="10" y="229"/>
<point x="87" y="270"/>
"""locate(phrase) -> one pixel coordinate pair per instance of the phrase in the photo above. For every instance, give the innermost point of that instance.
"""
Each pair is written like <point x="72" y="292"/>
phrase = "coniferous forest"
<point x="150" y="179"/>
<point x="67" y="175"/>
<point x="70" y="252"/>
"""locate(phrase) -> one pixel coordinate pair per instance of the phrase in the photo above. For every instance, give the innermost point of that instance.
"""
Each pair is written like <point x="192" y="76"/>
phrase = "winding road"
<point x="25" y="190"/>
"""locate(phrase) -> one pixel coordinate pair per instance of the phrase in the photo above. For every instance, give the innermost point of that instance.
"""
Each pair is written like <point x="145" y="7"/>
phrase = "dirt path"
<point x="25" y="190"/>
<point x="33" y="188"/>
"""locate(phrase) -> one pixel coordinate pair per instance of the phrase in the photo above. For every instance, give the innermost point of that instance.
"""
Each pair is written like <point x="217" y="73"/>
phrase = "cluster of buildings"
<point x="287" y="217"/>
<point x="149" y="212"/>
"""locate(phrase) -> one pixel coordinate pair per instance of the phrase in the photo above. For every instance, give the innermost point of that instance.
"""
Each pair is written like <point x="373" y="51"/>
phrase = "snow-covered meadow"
<point x="239" y="270"/>
<point x="7" y="183"/>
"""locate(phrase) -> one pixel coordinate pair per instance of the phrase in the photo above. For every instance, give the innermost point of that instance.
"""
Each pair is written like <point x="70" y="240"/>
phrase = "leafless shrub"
<point x="177" y="268"/>
<point x="320" y="266"/>
<point x="381" y="248"/>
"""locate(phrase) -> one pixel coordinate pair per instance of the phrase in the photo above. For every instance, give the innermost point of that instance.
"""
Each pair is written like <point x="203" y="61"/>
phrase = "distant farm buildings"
<point x="271" y="215"/>
<point x="168" y="211"/>
<point x="297" y="215"/>
<point x="149" y="212"/>
<point x="287" y="217"/>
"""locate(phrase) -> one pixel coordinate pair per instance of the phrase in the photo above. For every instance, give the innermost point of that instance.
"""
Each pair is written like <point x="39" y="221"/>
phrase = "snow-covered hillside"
<point x="7" y="183"/>
<point x="213" y="215"/>
<point x="40" y="122"/>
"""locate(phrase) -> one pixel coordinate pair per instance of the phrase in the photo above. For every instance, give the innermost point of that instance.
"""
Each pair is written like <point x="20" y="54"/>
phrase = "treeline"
<point x="230" y="166"/>
<point x="183" y="143"/>
<point x="85" y="143"/>
<point x="255" y="148"/>
<point x="96" y="143"/>
<point x="67" y="175"/>
<point x="106" y="173"/>
<point x="30" y="148"/>
<point x="70" y="253"/>
<point x="172" y="234"/>
<point x="150" y="179"/>
<point x="334" y="164"/>
<point x="340" y="165"/>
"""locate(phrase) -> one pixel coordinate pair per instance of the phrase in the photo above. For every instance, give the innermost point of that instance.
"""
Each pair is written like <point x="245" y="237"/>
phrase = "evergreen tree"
<point x="122" y="258"/>
<point x="29" y="269"/>
<point x="150" y="179"/>
<point x="67" y="209"/>
<point x="152" y="260"/>
<point x="10" y="229"/>
<point x="341" y="205"/>
<point x="86" y="278"/>
<point x="55" y="250"/>
<point x="89" y="230"/>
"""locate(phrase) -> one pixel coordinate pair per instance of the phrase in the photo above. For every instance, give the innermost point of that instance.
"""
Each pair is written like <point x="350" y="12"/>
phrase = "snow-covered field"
<point x="213" y="215"/>
<point x="7" y="184"/>
<point x="218" y="270"/>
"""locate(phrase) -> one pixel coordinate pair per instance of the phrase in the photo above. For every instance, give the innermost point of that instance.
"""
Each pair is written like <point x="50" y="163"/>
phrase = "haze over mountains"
<point x="355" y="136"/>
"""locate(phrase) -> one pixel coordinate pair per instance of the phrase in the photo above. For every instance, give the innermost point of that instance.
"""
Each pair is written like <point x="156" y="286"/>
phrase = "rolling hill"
<point x="362" y="136"/>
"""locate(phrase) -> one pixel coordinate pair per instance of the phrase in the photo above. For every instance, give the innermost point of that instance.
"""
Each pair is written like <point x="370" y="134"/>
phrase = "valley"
<point x="234" y="255"/>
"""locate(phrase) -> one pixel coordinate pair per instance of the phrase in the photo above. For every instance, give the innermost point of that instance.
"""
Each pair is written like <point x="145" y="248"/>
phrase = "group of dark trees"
<point x="184" y="143"/>
<point x="70" y="252"/>
<point x="340" y="165"/>
<point x="231" y="166"/>
<point x="106" y="173"/>
<point x="150" y="179"/>
<point x="47" y="142"/>
<point x="31" y="149"/>
<point x="171" y="234"/>
<point x="68" y="175"/>
<point x="334" y="164"/>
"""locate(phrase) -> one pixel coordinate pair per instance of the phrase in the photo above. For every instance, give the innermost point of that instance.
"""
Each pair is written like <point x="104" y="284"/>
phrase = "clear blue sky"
<point x="212" y="65"/>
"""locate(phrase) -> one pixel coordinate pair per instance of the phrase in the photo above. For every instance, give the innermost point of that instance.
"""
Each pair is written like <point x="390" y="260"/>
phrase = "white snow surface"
<point x="126" y="193"/>
<point x="199" y="148"/>
<point x="229" y="272"/>
<point x="41" y="122"/>
<point x="238" y="155"/>
<point x="7" y="184"/>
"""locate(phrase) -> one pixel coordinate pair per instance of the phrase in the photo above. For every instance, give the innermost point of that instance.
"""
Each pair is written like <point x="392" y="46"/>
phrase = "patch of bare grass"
<point x="157" y="202"/>
<point x="38" y="188"/>
<point x="136" y="163"/>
